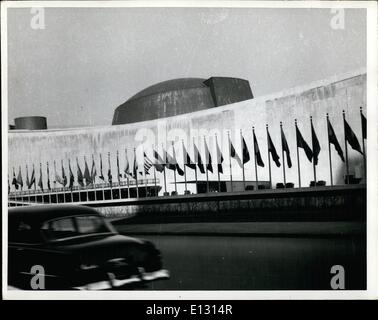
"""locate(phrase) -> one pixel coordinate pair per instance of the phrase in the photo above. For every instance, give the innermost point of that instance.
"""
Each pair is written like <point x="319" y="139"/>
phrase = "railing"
<point x="91" y="187"/>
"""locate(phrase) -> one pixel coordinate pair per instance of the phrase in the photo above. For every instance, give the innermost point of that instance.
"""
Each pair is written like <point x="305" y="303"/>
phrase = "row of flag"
<point x="205" y="164"/>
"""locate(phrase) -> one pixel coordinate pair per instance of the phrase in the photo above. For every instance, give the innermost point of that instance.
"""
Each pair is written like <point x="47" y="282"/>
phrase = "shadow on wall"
<point x="356" y="169"/>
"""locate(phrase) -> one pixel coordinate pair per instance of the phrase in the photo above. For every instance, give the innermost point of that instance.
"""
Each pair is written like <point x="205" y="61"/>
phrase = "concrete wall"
<point x="346" y="92"/>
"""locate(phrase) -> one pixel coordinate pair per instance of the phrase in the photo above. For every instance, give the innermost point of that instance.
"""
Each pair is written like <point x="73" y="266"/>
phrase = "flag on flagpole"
<point x="285" y="148"/>
<point x="246" y="156"/>
<point x="235" y="155"/>
<point x="48" y="177"/>
<point x="187" y="160"/>
<point x="87" y="175"/>
<point x="14" y="180"/>
<point x="40" y="182"/>
<point x="363" y="123"/>
<point x="259" y="160"/>
<point x="301" y="143"/>
<point x="64" y="177"/>
<point x="110" y="177"/>
<point x="32" y="179"/>
<point x="135" y="166"/>
<point x="127" y="166"/>
<point x="159" y="162"/>
<point x="72" y="178"/>
<point x="59" y="179"/>
<point x="80" y="178"/>
<point x="220" y="159"/>
<point x="315" y="144"/>
<point x="209" y="165"/>
<point x="93" y="170"/>
<point x="172" y="162"/>
<point x="197" y="157"/>
<point x="19" y="178"/>
<point x="27" y="178"/>
<point x="147" y="163"/>
<point x="351" y="137"/>
<point x="273" y="152"/>
<point x="101" y="176"/>
<point x="119" y="175"/>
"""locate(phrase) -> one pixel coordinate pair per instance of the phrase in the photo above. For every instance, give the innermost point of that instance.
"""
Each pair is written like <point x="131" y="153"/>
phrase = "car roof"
<point x="41" y="213"/>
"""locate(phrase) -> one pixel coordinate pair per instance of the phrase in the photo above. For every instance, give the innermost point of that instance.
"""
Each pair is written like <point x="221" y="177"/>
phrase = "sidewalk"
<point x="294" y="229"/>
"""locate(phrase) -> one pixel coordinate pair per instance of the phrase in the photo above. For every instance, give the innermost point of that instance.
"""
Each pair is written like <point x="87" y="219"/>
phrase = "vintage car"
<point x="77" y="249"/>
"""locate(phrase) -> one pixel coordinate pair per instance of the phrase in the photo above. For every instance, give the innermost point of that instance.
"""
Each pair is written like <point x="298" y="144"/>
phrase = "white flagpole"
<point x="206" y="163"/>
<point x="174" y="171"/>
<point x="186" y="188"/>
<point x="127" y="175"/>
<point x="27" y="174"/>
<point x="241" y="137"/>
<point x="254" y="151"/>
<point x="229" y="147"/>
<point x="218" y="159"/>
<point x="136" y="174"/>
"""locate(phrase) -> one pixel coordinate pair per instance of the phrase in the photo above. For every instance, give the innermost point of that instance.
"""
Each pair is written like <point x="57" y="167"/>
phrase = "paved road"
<point x="258" y="263"/>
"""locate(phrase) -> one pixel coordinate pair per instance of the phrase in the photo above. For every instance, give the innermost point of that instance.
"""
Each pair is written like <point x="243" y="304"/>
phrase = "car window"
<point x="91" y="224"/>
<point x="60" y="229"/>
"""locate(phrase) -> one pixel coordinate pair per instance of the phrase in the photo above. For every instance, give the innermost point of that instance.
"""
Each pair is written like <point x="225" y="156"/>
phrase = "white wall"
<point x="346" y="92"/>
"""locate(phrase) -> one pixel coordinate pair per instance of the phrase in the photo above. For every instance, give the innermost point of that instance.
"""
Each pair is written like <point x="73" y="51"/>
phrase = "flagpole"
<point x="110" y="174"/>
<point x="27" y="175"/>
<point x="48" y="179"/>
<point x="70" y="171"/>
<point x="57" y="197"/>
<point x="19" y="170"/>
<point x="241" y="140"/>
<point x="363" y="143"/>
<point x="35" y="185"/>
<point x="40" y="176"/>
<point x="174" y="171"/>
<point x="86" y="183"/>
<point x="145" y="173"/>
<point x="78" y="184"/>
<point x="346" y="151"/>
<point x="94" y="178"/>
<point x="270" y="172"/>
<point x="219" y="184"/>
<point x="118" y="176"/>
<point x="127" y="175"/>
<point x="195" y="169"/>
<point x="283" y="158"/>
<point x="329" y="152"/>
<point x="254" y="151"/>
<point x="229" y="153"/>
<point x="64" y="187"/>
<point x="186" y="187"/>
<point x="299" y="166"/>
<point x="165" y="165"/>
<point x="313" y="158"/>
<point x="102" y="175"/>
<point x="155" y="192"/>
<point x="136" y="174"/>
<point x="207" y="172"/>
<point x="13" y="177"/>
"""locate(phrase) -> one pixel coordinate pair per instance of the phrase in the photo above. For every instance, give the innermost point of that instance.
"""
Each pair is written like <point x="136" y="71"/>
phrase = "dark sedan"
<point x="77" y="248"/>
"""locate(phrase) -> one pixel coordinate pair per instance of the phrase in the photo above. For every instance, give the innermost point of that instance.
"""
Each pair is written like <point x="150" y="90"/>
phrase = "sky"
<point x="88" y="61"/>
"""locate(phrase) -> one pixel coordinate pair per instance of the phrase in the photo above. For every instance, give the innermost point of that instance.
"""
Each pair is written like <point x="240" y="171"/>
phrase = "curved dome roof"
<point x="179" y="96"/>
<point x="170" y="85"/>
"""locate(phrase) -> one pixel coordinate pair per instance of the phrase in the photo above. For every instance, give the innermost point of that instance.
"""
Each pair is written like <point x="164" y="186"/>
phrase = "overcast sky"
<point x="86" y="62"/>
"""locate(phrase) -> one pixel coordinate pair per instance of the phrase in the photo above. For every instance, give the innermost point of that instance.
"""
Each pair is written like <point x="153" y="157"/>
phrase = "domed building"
<point x="179" y="96"/>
